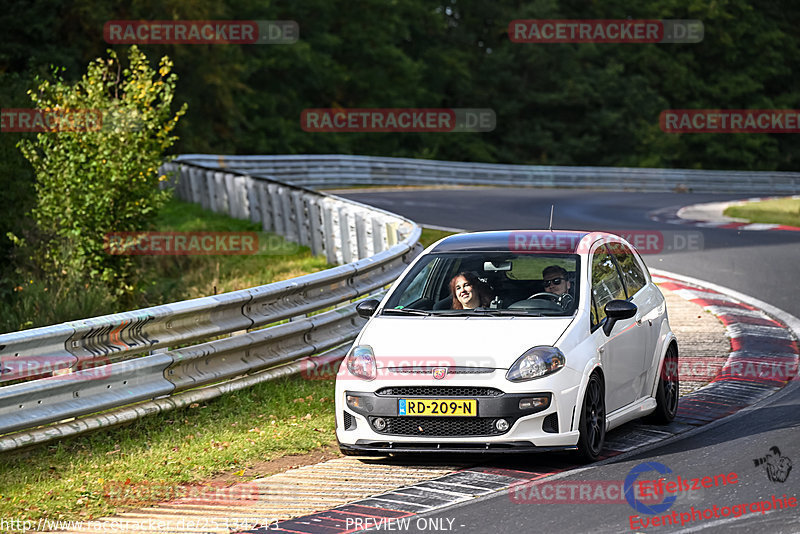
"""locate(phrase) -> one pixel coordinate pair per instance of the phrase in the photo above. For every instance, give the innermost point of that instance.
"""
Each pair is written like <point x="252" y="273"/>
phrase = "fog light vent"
<point x="349" y="421"/>
<point x="550" y="423"/>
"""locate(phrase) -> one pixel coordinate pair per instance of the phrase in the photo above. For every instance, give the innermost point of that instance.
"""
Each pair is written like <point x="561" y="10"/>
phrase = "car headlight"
<point x="361" y="362"/>
<point x="536" y="363"/>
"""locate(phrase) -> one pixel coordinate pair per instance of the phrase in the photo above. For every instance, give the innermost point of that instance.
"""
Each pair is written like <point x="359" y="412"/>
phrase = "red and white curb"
<point x="714" y="218"/>
<point x="763" y="337"/>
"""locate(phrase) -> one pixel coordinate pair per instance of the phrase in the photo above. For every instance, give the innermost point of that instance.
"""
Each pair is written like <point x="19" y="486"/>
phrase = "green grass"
<point x="778" y="211"/>
<point x="125" y="467"/>
<point x="430" y="236"/>
<point x="29" y="303"/>
<point x="194" y="276"/>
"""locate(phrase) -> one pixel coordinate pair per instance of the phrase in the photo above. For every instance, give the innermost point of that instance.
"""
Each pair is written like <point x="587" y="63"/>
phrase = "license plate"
<point x="438" y="407"/>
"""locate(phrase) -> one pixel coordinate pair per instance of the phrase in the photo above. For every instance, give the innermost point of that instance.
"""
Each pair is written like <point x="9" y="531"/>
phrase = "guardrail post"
<point x="378" y="235"/>
<point x="277" y="209"/>
<point x="183" y="187"/>
<point x="301" y="218"/>
<point x="195" y="176"/>
<point x="362" y="243"/>
<point x="391" y="233"/>
<point x="253" y="203"/>
<point x="265" y="205"/>
<point x="211" y="192"/>
<point x="240" y="208"/>
<point x="329" y="231"/>
<point x="289" y="228"/>
<point x="344" y="230"/>
<point x="315" y="226"/>
<point x="229" y="187"/>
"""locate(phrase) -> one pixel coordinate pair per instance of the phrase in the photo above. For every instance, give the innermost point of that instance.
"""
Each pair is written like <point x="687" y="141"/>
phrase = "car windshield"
<point x="493" y="284"/>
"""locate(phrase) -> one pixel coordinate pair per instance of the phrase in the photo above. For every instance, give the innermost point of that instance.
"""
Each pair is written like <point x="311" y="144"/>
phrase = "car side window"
<point x="632" y="274"/>
<point x="606" y="283"/>
<point x="415" y="289"/>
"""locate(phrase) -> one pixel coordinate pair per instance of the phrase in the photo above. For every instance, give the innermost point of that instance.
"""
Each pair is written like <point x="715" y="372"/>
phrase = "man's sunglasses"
<point x="554" y="281"/>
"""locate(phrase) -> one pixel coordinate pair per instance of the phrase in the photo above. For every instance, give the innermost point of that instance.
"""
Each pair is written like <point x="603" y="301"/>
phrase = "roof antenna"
<point x="551" y="217"/>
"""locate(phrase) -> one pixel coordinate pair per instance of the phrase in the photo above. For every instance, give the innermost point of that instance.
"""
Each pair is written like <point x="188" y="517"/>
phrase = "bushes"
<point x="99" y="179"/>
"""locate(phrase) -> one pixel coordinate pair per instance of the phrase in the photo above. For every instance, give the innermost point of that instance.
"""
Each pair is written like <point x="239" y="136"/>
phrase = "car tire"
<point x="668" y="389"/>
<point x="592" y="424"/>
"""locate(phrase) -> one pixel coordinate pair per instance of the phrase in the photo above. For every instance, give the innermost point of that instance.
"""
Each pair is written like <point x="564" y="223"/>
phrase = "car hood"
<point x="463" y="341"/>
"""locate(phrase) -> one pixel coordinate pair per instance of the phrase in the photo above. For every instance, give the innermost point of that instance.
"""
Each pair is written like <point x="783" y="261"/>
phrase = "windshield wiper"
<point x="504" y="312"/>
<point x="405" y="311"/>
<point x="491" y="312"/>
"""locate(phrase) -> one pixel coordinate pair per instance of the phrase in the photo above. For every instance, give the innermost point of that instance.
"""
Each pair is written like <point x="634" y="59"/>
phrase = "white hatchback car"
<point x="513" y="341"/>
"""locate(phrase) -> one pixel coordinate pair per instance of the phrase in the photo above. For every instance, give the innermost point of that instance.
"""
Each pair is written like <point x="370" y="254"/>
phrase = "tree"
<point x="94" y="177"/>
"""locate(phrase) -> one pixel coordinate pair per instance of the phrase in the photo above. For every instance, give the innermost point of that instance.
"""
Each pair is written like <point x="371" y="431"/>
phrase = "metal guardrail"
<point x="149" y="360"/>
<point x="343" y="170"/>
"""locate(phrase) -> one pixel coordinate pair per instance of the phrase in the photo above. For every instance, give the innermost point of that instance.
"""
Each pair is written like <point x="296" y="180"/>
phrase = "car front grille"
<point x="440" y="391"/>
<point x="441" y="426"/>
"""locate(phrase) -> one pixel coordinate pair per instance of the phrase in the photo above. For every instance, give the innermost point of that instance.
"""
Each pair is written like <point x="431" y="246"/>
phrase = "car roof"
<point x="557" y="241"/>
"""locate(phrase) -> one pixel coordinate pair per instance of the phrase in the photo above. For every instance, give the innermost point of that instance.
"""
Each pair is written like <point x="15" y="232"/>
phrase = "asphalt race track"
<point x="761" y="264"/>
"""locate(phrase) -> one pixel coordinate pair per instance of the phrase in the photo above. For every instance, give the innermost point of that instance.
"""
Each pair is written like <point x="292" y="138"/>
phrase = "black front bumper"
<point x="383" y="448"/>
<point x="490" y="409"/>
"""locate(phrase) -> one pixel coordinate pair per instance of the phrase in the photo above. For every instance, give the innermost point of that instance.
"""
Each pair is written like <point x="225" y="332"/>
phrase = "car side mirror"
<point x="617" y="310"/>
<point x="366" y="308"/>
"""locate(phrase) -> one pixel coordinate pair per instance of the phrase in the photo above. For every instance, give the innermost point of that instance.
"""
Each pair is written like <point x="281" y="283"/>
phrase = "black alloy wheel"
<point x="668" y="389"/>
<point x="592" y="425"/>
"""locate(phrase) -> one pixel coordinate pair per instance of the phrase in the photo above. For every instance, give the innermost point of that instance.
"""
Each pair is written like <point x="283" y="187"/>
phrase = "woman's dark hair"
<point x="481" y="288"/>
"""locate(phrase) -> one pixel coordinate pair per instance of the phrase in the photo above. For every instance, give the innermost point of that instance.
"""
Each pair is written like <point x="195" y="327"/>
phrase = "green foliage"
<point x="95" y="180"/>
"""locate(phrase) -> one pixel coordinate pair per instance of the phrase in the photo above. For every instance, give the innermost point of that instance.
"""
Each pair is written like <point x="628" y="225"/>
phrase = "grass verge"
<point x="161" y="279"/>
<point x="430" y="236"/>
<point x="777" y="211"/>
<point x="159" y="457"/>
